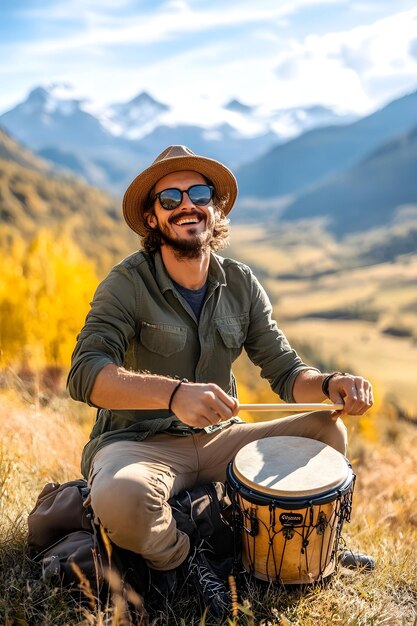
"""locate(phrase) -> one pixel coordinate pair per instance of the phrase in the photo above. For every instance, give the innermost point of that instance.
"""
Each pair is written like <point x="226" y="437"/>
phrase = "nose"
<point x="185" y="201"/>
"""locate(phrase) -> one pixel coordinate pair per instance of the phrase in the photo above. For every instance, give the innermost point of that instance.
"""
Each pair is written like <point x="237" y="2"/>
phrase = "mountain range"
<point x="352" y="176"/>
<point x="34" y="196"/>
<point x="367" y="193"/>
<point x="108" y="145"/>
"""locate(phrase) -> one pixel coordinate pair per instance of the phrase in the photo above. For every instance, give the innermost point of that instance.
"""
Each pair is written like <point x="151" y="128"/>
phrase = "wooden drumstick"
<point x="291" y="407"/>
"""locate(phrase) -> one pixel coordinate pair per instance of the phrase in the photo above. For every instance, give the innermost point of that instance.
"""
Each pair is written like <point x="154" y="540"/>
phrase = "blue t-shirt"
<point x="194" y="297"/>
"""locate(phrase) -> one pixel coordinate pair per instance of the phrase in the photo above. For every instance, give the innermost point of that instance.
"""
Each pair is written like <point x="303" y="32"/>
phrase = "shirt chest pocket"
<point x="163" y="339"/>
<point x="232" y="330"/>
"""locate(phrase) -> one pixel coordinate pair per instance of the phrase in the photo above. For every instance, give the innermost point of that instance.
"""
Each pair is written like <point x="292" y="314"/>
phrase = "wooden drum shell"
<point x="291" y="540"/>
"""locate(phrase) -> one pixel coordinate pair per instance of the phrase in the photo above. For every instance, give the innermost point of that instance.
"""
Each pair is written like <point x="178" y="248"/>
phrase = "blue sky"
<point x="354" y="55"/>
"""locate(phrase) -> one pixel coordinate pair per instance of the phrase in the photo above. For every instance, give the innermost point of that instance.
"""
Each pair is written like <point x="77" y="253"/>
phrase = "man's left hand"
<point x="354" y="392"/>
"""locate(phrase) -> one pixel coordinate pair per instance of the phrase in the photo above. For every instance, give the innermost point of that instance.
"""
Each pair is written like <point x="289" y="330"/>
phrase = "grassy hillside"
<point x="361" y="318"/>
<point x="339" y="308"/>
<point x="10" y="150"/>
<point x="42" y="443"/>
<point x="30" y="200"/>
<point x="33" y="196"/>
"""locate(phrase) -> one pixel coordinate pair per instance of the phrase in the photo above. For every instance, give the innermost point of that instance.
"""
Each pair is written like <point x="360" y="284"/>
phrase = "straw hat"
<point x="173" y="159"/>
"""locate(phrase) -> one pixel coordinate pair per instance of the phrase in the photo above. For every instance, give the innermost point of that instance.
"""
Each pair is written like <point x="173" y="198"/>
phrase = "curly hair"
<point x="151" y="242"/>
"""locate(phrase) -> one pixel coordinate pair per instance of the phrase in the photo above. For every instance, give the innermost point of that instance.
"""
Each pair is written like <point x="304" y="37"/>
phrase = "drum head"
<point x="290" y="466"/>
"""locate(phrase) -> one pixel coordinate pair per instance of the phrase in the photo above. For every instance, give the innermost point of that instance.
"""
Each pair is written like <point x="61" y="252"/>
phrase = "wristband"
<point x="183" y="380"/>
<point x="326" y="381"/>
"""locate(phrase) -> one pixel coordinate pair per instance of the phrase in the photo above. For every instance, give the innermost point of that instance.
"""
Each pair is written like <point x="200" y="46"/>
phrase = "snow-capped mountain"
<point x="107" y="145"/>
<point x="133" y="119"/>
<point x="288" y="123"/>
<point x="52" y="117"/>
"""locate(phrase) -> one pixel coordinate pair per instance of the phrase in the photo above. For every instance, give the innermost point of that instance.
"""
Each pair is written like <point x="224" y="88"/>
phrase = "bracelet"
<point x="174" y="391"/>
<point x="326" y="381"/>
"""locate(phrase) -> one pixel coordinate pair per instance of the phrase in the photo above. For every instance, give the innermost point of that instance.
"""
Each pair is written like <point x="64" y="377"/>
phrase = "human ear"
<point x="150" y="220"/>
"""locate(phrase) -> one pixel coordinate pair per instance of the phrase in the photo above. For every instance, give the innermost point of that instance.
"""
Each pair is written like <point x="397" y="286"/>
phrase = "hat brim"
<point x="134" y="199"/>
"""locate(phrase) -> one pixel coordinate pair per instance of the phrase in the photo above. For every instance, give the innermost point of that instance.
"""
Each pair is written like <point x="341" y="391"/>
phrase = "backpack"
<point x="74" y="552"/>
<point x="206" y="515"/>
<point x="59" y="511"/>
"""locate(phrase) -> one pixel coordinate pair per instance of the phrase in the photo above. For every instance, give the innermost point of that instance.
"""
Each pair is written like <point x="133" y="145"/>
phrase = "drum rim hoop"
<point x="289" y="502"/>
<point x="314" y="466"/>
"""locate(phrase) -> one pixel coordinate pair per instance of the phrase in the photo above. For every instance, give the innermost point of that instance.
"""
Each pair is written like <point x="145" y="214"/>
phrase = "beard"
<point x="189" y="248"/>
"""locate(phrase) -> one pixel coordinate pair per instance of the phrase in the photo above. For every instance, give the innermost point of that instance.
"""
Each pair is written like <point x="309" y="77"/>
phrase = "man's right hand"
<point x="199" y="405"/>
<point x="195" y="404"/>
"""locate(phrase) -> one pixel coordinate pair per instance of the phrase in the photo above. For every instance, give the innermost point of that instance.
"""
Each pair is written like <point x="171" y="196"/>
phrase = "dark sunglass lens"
<point x="170" y="199"/>
<point x="200" y="194"/>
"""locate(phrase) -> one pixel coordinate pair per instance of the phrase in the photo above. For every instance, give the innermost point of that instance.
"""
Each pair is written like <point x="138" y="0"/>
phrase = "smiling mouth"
<point x="187" y="220"/>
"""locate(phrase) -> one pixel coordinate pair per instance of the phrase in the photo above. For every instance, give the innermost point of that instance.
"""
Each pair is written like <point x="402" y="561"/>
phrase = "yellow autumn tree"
<point x="61" y="282"/>
<point x="45" y="289"/>
<point x="12" y="295"/>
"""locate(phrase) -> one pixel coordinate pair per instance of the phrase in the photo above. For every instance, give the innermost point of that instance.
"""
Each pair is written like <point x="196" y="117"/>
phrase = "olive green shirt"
<point x="138" y="320"/>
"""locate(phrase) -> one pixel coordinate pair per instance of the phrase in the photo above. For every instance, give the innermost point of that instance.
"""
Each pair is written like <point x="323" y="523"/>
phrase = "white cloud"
<point x="244" y="49"/>
<point x="174" y="18"/>
<point x="104" y="31"/>
<point x="413" y="48"/>
<point x="353" y="66"/>
<point x="176" y="5"/>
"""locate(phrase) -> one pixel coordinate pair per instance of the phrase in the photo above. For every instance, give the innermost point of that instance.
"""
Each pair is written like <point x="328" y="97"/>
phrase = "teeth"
<point x="187" y="220"/>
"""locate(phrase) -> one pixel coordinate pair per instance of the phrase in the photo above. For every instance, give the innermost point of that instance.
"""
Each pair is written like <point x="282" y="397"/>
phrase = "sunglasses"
<point x="171" y="198"/>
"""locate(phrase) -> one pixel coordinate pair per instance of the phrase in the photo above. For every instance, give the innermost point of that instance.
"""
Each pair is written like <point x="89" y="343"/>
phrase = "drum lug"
<point x="254" y="525"/>
<point x="322" y="523"/>
<point x="288" y="533"/>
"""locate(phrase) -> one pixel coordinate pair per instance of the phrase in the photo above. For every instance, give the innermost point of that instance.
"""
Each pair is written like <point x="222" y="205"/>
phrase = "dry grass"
<point x="42" y="443"/>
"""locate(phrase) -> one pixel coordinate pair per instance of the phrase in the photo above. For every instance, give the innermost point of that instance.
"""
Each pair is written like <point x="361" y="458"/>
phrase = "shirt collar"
<point x="216" y="274"/>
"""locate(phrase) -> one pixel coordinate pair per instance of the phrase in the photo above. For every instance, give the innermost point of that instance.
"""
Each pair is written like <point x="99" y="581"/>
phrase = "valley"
<point x="361" y="319"/>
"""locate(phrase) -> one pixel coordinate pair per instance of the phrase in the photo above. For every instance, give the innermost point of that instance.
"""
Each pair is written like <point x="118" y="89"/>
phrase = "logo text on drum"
<point x="291" y="519"/>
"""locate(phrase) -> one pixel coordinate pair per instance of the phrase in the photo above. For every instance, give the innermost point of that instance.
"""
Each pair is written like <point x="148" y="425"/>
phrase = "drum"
<point x="291" y="496"/>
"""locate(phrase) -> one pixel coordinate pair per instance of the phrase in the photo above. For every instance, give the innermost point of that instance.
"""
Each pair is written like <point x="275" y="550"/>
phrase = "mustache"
<point x="191" y="213"/>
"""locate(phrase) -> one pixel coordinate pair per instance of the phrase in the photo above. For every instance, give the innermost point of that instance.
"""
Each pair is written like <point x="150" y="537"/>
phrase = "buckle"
<point x="214" y="427"/>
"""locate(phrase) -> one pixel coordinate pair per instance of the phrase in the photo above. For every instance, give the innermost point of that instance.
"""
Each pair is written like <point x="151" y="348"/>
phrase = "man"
<point x="155" y="356"/>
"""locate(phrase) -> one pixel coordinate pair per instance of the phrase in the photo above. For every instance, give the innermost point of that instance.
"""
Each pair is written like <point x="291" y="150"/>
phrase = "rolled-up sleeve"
<point x="268" y="347"/>
<point x="109" y="327"/>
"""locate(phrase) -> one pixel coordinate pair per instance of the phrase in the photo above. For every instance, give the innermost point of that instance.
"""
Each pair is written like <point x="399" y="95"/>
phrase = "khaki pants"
<point x="132" y="481"/>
